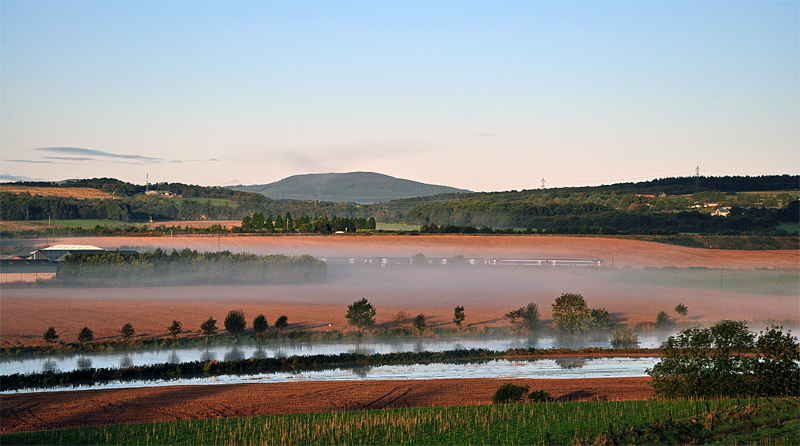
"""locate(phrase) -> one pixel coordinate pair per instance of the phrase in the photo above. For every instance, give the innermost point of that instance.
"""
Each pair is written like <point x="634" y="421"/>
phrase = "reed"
<point x="530" y="423"/>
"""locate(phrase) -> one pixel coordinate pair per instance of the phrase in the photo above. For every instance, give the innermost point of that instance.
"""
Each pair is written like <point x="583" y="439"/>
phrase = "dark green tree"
<point x="361" y="314"/>
<point x="127" y="331"/>
<point x="288" y="222"/>
<point x="458" y="316"/>
<point x="371" y="223"/>
<point x="85" y="335"/>
<point x="419" y="322"/>
<point x="260" y="324"/>
<point x="525" y="318"/>
<point x="268" y="224"/>
<point x="663" y="321"/>
<point x="50" y="335"/>
<point x="247" y="223"/>
<point x="258" y="220"/>
<point x="777" y="371"/>
<point x="209" y="327"/>
<point x="571" y="314"/>
<point x="282" y="322"/>
<point x="601" y="319"/>
<point x="235" y="322"/>
<point x="509" y="393"/>
<point x="681" y="309"/>
<point x="708" y="362"/>
<point x="279" y="222"/>
<point x="174" y="329"/>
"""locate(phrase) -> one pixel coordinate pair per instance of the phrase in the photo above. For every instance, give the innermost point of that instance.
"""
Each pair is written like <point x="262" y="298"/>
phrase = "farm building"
<point x="26" y="270"/>
<point x="57" y="253"/>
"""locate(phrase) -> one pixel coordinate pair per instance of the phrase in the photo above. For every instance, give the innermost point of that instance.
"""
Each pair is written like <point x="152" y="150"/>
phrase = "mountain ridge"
<point x="350" y="187"/>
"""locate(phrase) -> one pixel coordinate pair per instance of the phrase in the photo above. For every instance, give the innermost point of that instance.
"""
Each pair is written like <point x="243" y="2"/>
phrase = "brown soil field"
<point x="58" y="410"/>
<point x="73" y="192"/>
<point x="486" y="293"/>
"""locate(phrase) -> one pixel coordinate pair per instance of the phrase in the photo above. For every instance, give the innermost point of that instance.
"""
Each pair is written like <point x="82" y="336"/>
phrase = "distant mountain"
<point x="353" y="187"/>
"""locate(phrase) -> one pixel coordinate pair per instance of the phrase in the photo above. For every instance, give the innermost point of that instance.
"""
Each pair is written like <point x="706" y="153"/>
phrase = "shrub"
<point x="571" y="314"/>
<point x="509" y="393"/>
<point x="235" y="322"/>
<point x="127" y="331"/>
<point x="539" y="396"/>
<point x="624" y="336"/>
<point x="175" y="329"/>
<point x="282" y="322"/>
<point x="50" y="335"/>
<point x="361" y="314"/>
<point x="663" y="321"/>
<point x="525" y="318"/>
<point x="419" y="322"/>
<point x="209" y="327"/>
<point x="399" y="319"/>
<point x="260" y="324"/>
<point x="85" y="335"/>
<point x="458" y="316"/>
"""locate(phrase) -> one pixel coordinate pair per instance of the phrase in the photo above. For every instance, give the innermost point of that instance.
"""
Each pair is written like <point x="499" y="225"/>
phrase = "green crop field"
<point x="87" y="223"/>
<point x="396" y="227"/>
<point x="768" y="421"/>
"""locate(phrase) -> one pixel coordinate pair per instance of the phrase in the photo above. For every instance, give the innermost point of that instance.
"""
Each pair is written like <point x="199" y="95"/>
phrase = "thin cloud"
<point x="82" y="151"/>
<point x="492" y="135"/>
<point x="29" y="161"/>
<point x="68" y="158"/>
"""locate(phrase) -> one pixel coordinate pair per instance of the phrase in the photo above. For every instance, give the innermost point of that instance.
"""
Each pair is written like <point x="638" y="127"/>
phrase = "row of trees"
<point x="259" y="223"/>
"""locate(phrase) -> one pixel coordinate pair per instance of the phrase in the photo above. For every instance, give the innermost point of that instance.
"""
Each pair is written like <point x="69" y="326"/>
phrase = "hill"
<point x="352" y="187"/>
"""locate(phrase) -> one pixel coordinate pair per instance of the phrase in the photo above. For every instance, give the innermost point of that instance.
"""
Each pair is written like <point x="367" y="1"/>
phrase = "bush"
<point x="260" y="324"/>
<point x="127" y="331"/>
<point x="235" y="322"/>
<point x="663" y="321"/>
<point x="419" y="322"/>
<point x="175" y="329"/>
<point x="725" y="360"/>
<point x="209" y="327"/>
<point x="50" y="335"/>
<point x="361" y="314"/>
<point x="571" y="314"/>
<point x="539" y="396"/>
<point x="282" y="322"/>
<point x="509" y="393"/>
<point x="525" y="318"/>
<point x="85" y="335"/>
<point x="624" y="336"/>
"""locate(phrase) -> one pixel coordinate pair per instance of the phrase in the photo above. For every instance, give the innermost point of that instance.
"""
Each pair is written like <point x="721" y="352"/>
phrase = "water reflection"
<point x="49" y="365"/>
<point x="570" y="363"/>
<point x="362" y="372"/>
<point x="84" y="363"/>
<point x="234" y="354"/>
<point x="211" y="352"/>
<point x="207" y="355"/>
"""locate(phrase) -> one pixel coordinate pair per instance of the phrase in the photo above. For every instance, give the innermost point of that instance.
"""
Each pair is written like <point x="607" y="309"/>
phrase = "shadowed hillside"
<point x="353" y="187"/>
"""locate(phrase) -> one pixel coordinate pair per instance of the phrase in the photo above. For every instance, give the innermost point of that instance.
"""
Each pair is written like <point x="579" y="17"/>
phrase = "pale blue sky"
<point x="477" y="95"/>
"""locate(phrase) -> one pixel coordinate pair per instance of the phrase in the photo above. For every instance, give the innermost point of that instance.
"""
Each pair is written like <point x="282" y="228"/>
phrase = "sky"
<point x="485" y="96"/>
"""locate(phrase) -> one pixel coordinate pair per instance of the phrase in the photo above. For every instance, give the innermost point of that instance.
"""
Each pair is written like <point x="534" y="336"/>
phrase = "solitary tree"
<point x="681" y="309"/>
<point x="209" y="327"/>
<point x="399" y="319"/>
<point x="282" y="322"/>
<point x="458" y="316"/>
<point x="361" y="314"/>
<point x="419" y="322"/>
<point x="571" y="314"/>
<point x="174" y="329"/>
<point x="127" y="331"/>
<point x="235" y="322"/>
<point x="260" y="324"/>
<point x="85" y="335"/>
<point x="525" y="318"/>
<point x="50" y="335"/>
<point x="663" y="321"/>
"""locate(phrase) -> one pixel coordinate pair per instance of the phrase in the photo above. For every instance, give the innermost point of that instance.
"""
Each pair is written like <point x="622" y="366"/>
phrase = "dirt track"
<point x="55" y="410"/>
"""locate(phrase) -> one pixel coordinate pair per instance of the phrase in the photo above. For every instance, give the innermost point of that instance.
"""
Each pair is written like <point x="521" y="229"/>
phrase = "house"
<point x="26" y="270"/>
<point x="722" y="212"/>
